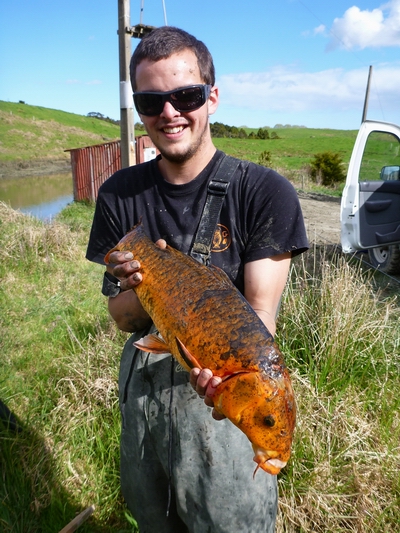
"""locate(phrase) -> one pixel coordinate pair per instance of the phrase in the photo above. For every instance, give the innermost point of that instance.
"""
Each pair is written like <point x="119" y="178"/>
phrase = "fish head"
<point x="264" y="409"/>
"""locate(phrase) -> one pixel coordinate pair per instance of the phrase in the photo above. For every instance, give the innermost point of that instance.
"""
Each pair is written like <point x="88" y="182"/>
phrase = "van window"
<point x="381" y="150"/>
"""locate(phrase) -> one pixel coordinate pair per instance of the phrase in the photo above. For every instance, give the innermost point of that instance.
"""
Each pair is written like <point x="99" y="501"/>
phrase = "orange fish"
<point x="205" y="322"/>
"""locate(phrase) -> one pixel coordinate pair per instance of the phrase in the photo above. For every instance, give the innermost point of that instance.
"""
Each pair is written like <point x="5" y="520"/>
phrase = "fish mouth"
<point x="268" y="461"/>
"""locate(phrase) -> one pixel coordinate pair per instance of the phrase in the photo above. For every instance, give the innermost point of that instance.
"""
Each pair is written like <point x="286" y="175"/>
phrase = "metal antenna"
<point x="364" y="115"/>
<point x="165" y="13"/>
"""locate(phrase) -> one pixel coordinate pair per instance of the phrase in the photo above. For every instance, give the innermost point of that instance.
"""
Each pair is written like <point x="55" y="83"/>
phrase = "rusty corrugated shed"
<point x="92" y="165"/>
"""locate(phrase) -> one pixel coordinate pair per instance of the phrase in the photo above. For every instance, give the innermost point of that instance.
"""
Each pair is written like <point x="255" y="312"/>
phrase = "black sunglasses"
<point x="184" y="100"/>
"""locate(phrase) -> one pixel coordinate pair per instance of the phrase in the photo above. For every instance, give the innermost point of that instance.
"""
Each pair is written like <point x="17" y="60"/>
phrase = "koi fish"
<point x="205" y="322"/>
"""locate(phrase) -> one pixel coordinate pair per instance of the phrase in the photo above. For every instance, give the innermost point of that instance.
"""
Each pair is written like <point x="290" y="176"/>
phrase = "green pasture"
<point x="35" y="132"/>
<point x="32" y="132"/>
<point x="295" y="147"/>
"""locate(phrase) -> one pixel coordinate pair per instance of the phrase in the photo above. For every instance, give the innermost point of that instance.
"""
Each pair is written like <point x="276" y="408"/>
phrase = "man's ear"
<point x="213" y="100"/>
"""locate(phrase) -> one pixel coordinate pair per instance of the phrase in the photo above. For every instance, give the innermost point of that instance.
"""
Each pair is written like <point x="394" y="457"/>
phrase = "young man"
<point x="181" y="470"/>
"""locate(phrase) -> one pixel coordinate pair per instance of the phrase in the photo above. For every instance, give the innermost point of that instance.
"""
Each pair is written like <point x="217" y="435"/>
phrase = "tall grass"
<point x="60" y="353"/>
<point x="340" y="334"/>
<point x="59" y="377"/>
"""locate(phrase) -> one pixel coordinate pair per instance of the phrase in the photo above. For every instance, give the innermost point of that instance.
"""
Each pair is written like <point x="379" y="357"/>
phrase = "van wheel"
<point x="386" y="258"/>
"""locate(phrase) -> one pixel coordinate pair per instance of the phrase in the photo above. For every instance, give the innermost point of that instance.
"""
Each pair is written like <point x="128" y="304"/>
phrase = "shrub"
<point x="326" y="168"/>
<point x="262" y="133"/>
<point x="264" y="159"/>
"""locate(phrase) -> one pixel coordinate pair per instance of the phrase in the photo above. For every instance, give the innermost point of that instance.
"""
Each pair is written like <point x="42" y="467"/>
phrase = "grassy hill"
<point x="294" y="148"/>
<point x="31" y="136"/>
<point x="31" y="132"/>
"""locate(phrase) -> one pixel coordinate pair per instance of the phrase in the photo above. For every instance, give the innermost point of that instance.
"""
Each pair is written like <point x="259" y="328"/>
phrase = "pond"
<point x="41" y="196"/>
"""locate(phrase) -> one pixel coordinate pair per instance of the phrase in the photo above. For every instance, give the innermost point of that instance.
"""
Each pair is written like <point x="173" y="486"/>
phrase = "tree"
<point x="262" y="134"/>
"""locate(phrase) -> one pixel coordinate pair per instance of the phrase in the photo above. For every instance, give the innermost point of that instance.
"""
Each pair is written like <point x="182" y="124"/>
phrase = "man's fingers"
<point x="201" y="382"/>
<point x="217" y="416"/>
<point x="210" y="390"/>
<point x="205" y="384"/>
<point x="193" y="375"/>
<point x="161" y="244"/>
<point x="126" y="269"/>
<point x="120" y="257"/>
<point x="212" y="385"/>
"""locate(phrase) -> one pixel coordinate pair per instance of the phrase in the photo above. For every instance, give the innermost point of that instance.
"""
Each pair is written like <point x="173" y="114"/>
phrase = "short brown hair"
<point x="162" y="42"/>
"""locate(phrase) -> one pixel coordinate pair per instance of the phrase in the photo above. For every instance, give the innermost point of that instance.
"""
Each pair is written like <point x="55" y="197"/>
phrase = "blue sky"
<point x="298" y="62"/>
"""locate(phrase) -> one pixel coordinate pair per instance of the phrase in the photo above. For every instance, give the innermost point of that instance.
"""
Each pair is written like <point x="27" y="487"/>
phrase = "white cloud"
<point x="367" y="29"/>
<point x="284" y="89"/>
<point x="319" y="29"/>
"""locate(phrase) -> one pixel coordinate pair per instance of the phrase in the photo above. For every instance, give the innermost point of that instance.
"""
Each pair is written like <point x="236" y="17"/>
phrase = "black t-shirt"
<point x="260" y="217"/>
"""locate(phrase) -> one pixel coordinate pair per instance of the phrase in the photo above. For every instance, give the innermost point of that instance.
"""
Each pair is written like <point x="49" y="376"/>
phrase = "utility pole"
<point x="127" y="127"/>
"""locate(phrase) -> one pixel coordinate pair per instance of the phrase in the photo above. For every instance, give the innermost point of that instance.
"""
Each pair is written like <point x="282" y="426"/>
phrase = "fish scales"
<point x="204" y="321"/>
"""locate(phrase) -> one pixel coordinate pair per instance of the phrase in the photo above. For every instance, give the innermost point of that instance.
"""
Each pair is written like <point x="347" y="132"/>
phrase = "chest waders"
<point x="201" y="251"/>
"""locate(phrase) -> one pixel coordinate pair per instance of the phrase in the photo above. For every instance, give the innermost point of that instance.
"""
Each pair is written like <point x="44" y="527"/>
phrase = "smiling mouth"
<point x="175" y="129"/>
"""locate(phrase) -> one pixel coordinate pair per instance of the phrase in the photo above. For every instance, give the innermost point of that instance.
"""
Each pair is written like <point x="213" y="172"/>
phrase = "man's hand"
<point x="126" y="268"/>
<point x="123" y="266"/>
<point x="126" y="309"/>
<point x="205" y="383"/>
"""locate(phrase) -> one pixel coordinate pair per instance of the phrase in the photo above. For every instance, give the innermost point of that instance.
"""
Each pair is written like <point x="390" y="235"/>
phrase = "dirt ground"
<point x="322" y="217"/>
<point x="39" y="167"/>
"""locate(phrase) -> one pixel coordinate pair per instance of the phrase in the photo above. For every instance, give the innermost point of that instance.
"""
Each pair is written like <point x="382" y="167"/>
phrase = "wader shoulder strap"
<point x="216" y="192"/>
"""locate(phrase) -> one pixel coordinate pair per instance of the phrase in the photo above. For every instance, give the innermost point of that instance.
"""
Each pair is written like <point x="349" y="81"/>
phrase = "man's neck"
<point x="180" y="173"/>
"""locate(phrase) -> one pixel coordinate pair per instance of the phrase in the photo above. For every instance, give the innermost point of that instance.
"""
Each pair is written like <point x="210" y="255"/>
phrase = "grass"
<point x="338" y="328"/>
<point x="340" y="334"/>
<point x="31" y="132"/>
<point x="58" y="376"/>
<point x="292" y="152"/>
<point x="294" y="148"/>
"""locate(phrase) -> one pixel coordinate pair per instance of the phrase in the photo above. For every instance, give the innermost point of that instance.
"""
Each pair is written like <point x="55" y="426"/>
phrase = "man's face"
<point x="178" y="136"/>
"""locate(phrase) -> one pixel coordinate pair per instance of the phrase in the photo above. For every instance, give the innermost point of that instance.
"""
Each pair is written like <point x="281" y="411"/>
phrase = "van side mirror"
<point x="390" y="173"/>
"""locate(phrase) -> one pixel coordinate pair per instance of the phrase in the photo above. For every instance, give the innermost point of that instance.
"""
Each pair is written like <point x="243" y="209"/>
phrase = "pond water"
<point x="41" y="196"/>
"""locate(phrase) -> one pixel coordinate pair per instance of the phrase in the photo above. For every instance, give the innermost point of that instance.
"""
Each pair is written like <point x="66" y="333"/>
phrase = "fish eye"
<point x="269" y="421"/>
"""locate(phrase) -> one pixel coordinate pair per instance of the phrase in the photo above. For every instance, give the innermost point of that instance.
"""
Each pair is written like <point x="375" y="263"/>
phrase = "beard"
<point x="187" y="152"/>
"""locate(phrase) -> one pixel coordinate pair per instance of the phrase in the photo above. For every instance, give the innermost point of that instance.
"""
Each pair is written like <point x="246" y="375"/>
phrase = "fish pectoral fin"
<point x="233" y="395"/>
<point x="153" y="344"/>
<point x="189" y="359"/>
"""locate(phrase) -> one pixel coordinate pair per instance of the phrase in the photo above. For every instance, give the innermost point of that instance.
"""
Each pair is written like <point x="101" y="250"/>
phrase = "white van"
<point x="370" y="207"/>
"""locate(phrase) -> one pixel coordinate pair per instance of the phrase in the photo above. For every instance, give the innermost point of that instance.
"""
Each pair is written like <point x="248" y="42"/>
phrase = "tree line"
<point x="223" y="130"/>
